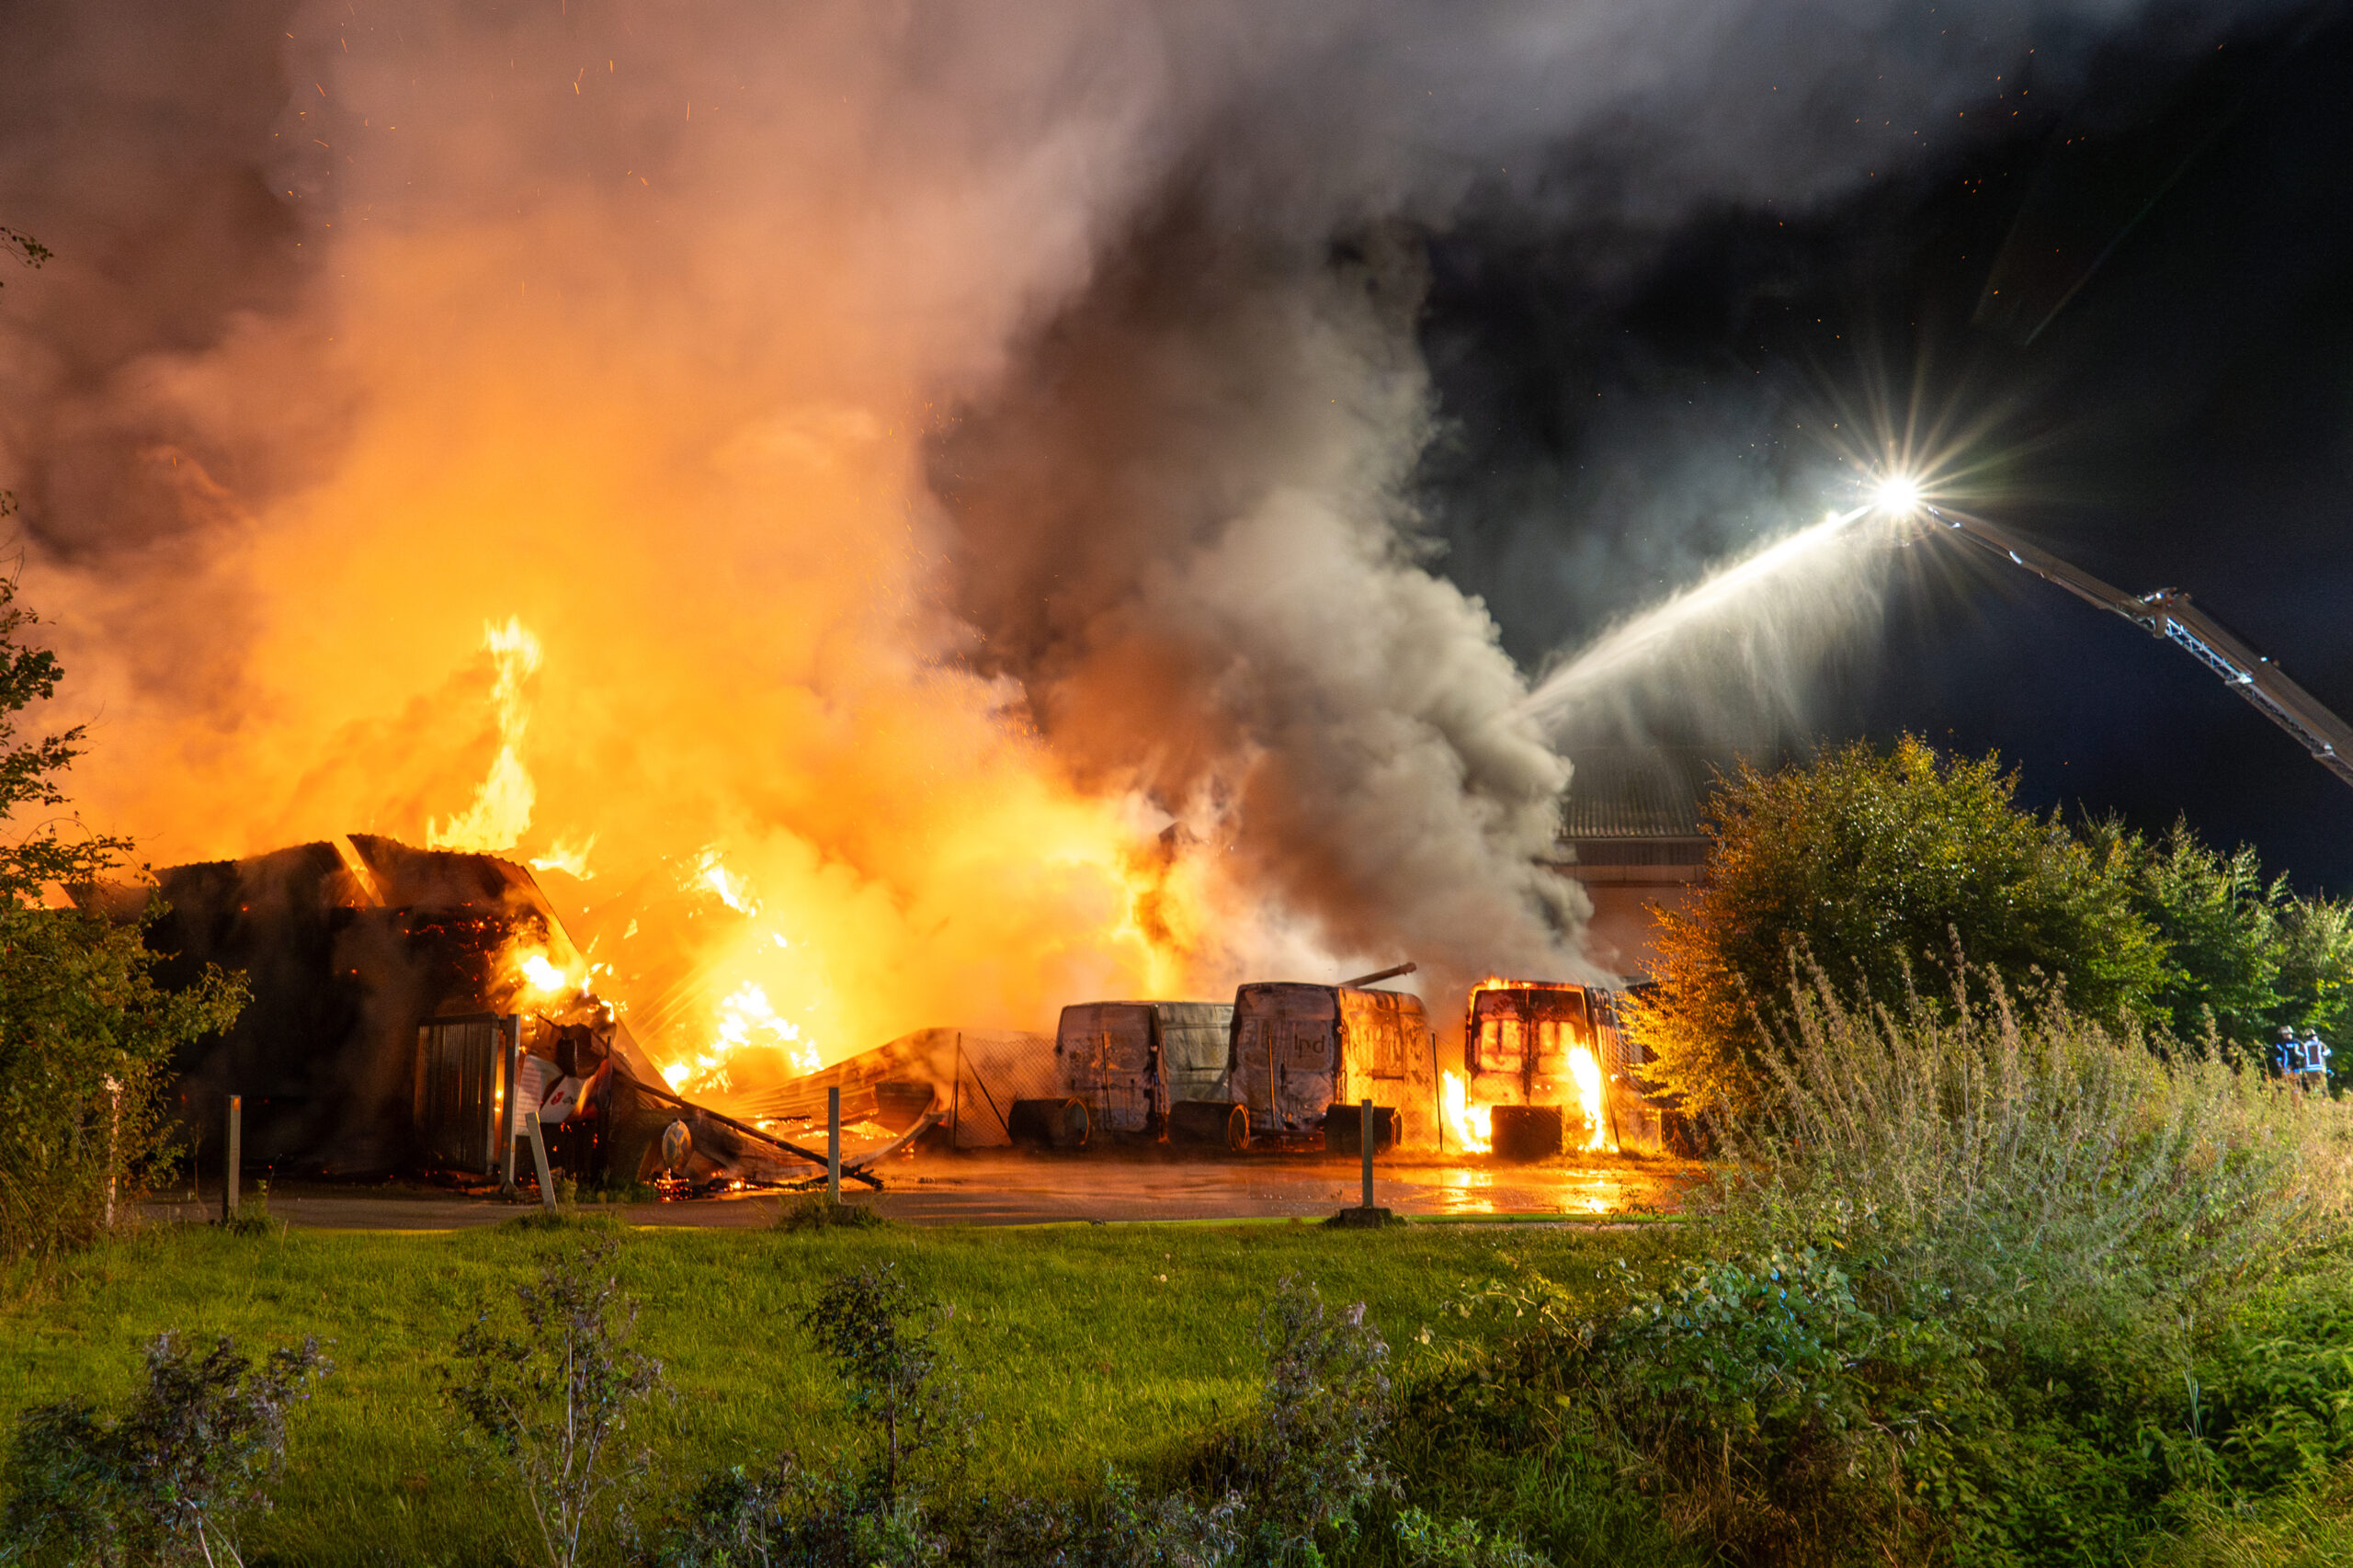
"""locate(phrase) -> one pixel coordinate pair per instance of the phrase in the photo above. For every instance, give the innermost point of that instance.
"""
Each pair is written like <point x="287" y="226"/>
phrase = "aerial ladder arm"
<point x="2168" y="613"/>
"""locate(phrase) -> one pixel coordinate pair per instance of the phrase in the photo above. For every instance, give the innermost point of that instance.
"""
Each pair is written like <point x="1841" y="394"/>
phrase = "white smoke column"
<point x="1186" y="531"/>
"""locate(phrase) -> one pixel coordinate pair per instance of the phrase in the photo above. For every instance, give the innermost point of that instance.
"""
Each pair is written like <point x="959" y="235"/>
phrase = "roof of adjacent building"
<point x="1638" y="792"/>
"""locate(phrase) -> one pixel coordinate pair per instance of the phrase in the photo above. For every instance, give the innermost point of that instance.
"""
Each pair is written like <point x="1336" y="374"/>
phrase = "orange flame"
<point x="687" y="552"/>
<point x="1587" y="1070"/>
<point x="542" y="978"/>
<point x="566" y="857"/>
<point x="1472" y="1126"/>
<point x="501" y="812"/>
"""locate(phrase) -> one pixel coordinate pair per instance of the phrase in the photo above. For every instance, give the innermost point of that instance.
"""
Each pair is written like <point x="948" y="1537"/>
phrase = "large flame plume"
<point x="501" y="812"/>
<point x="619" y="559"/>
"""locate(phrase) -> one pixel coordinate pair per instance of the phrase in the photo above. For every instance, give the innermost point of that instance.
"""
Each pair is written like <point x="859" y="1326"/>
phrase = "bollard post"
<point x="1364" y="1138"/>
<point x="236" y="1156"/>
<point x="540" y="1159"/>
<point x="834" y="1143"/>
<point x="512" y="1029"/>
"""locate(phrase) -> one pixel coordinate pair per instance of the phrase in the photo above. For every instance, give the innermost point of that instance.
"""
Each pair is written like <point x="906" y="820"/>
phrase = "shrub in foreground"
<point x="1980" y="1291"/>
<point x="168" y="1480"/>
<point x="555" y="1399"/>
<point x="1304" y="1475"/>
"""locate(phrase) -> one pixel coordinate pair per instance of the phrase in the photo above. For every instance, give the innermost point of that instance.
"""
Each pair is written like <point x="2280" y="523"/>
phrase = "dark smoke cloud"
<point x="143" y="146"/>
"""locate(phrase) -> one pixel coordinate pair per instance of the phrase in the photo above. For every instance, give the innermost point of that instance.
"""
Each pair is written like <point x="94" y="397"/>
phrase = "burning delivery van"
<point x="1554" y="1049"/>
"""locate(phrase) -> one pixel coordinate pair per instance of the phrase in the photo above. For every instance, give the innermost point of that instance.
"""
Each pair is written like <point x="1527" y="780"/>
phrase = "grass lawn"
<point x="1081" y="1345"/>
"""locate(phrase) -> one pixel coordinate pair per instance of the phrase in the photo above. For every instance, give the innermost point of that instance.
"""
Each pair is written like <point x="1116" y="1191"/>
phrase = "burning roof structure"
<point x="397" y="996"/>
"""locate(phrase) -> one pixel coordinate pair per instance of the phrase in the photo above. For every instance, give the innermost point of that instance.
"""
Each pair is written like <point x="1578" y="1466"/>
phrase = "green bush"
<point x="1979" y="1290"/>
<point x="2243" y="956"/>
<point x="168" y="1480"/>
<point x="1871" y="865"/>
<point x="1875" y="866"/>
<point x="86" y="1034"/>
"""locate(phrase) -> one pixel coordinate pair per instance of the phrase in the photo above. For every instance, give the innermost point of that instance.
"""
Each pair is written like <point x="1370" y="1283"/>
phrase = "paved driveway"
<point x="1005" y="1189"/>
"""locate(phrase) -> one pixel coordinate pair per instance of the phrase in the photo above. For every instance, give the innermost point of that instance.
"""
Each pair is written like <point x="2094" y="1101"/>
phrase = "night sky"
<point x="2186" y="420"/>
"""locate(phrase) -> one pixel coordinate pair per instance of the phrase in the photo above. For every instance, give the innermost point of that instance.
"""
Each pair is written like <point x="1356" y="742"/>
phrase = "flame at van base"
<point x="1586" y="1069"/>
<point x="1470" y="1127"/>
<point x="1531" y="1042"/>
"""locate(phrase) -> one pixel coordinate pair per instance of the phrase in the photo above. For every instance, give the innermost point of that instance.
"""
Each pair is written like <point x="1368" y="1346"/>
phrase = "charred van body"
<point x="1300" y="1051"/>
<point x="1132" y="1061"/>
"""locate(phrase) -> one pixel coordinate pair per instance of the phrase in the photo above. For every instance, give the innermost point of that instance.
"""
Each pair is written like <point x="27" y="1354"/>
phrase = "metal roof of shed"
<point x="1638" y="792"/>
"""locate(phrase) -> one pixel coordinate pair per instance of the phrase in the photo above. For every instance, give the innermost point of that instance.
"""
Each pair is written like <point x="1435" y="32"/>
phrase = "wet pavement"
<point x="1019" y="1188"/>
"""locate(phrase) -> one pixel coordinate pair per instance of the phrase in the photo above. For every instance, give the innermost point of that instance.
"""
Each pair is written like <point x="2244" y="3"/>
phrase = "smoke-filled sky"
<point x="1616" y="429"/>
<point x="1069" y="499"/>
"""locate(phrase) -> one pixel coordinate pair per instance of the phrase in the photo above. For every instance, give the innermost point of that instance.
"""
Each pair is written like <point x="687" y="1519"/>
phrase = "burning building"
<point x="407" y="1005"/>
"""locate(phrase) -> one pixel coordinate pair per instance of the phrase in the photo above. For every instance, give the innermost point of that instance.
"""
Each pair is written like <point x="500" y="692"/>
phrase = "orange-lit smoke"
<point x="569" y="485"/>
<point x="613" y="552"/>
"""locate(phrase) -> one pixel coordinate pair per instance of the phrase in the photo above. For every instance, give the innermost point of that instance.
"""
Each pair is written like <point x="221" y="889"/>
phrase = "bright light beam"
<point x="1634" y="644"/>
<point x="1897" y="495"/>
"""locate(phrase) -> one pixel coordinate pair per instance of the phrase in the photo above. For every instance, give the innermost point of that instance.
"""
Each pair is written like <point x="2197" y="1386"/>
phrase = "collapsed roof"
<point x="351" y="945"/>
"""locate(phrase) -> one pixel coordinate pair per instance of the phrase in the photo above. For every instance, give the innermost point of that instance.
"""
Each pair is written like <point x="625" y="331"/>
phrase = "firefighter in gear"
<point x="2312" y="1071"/>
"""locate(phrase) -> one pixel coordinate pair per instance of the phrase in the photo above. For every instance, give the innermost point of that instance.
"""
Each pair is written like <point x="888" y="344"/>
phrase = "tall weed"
<point x="2010" y="1171"/>
<point x="556" y="1398"/>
